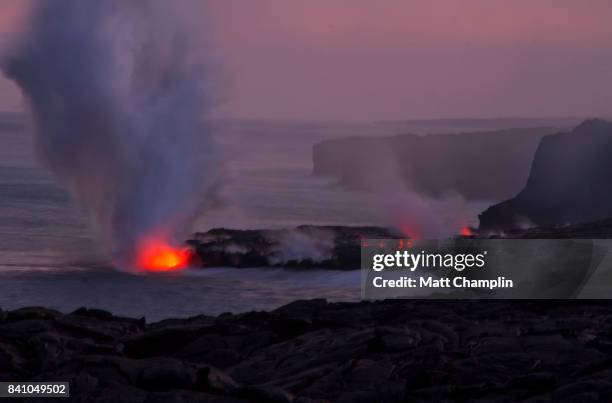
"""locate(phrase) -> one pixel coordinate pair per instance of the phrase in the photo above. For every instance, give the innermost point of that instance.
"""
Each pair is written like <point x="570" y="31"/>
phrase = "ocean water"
<point x="48" y="256"/>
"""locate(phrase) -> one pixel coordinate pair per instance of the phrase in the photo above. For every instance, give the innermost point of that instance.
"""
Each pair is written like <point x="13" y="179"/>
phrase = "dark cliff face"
<point x="479" y="166"/>
<point x="570" y="182"/>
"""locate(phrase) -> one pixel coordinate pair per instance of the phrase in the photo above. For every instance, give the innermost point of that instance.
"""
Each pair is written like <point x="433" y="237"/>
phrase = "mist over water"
<point x="48" y="257"/>
<point x="119" y="91"/>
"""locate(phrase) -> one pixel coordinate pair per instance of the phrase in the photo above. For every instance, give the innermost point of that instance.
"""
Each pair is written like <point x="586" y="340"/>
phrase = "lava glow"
<point x="466" y="231"/>
<point x="409" y="229"/>
<point x="156" y="255"/>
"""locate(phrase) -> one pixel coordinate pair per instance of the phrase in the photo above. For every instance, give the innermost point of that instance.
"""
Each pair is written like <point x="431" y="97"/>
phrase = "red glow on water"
<point x="466" y="231"/>
<point x="157" y="255"/>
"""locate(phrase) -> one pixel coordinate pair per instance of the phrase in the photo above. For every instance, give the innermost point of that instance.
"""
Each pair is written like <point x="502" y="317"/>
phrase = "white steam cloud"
<point x="402" y="207"/>
<point x="119" y="90"/>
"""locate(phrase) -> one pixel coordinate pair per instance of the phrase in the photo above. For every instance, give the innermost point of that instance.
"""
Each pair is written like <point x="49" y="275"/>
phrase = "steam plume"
<point x="119" y="91"/>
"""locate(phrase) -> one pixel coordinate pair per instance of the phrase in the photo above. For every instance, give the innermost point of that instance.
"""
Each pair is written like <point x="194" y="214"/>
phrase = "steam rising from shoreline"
<point x="119" y="91"/>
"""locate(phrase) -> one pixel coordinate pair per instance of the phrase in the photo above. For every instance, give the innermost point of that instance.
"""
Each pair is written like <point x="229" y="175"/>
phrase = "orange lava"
<point x="466" y="231"/>
<point x="157" y="255"/>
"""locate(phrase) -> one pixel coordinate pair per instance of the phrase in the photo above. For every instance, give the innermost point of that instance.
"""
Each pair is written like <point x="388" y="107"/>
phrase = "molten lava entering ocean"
<point x="157" y="255"/>
<point x="466" y="231"/>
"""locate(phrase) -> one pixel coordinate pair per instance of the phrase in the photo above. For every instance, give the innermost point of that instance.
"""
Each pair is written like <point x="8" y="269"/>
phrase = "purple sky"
<point x="400" y="59"/>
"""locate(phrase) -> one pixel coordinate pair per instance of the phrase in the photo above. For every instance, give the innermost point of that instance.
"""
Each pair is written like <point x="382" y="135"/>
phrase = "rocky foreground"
<point x="313" y="351"/>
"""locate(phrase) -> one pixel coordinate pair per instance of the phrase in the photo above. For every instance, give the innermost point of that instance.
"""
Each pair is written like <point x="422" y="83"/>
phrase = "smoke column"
<point x="119" y="91"/>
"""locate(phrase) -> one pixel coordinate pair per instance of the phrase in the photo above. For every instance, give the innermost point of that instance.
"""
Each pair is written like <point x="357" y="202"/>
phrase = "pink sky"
<point x="400" y="59"/>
